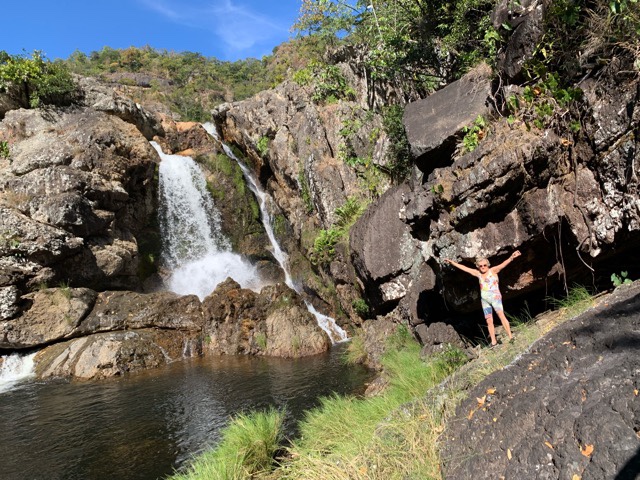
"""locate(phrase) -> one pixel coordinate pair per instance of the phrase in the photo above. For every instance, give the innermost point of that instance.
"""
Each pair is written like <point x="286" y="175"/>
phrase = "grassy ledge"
<point x="393" y="435"/>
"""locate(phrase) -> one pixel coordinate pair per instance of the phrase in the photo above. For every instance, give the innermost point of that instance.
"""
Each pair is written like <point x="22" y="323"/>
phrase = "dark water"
<point x="143" y="426"/>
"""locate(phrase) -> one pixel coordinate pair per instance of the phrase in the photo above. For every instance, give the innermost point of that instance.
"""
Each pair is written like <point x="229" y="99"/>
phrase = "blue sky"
<point x="225" y="29"/>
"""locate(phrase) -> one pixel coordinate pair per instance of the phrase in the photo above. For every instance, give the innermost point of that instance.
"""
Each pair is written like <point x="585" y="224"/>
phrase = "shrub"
<point x="40" y="81"/>
<point x="4" y="149"/>
<point x="361" y="307"/>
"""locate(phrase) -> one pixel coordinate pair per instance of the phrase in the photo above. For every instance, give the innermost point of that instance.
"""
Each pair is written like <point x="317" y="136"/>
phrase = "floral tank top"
<point x="489" y="286"/>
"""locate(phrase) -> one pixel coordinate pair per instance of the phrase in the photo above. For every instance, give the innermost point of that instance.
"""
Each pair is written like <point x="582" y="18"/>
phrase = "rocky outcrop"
<point x="432" y="134"/>
<point x="567" y="408"/>
<point x="274" y="322"/>
<point x="76" y="191"/>
<point x="110" y="354"/>
<point x="567" y="201"/>
<point x="300" y="151"/>
<point x="105" y="99"/>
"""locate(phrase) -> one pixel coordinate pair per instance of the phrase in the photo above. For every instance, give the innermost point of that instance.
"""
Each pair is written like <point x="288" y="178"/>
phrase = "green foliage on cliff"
<point x="36" y="80"/>
<point x="399" y="149"/>
<point x="327" y="81"/>
<point x="190" y="83"/>
<point x="4" y="149"/>
<point x="324" y="244"/>
<point x="420" y="42"/>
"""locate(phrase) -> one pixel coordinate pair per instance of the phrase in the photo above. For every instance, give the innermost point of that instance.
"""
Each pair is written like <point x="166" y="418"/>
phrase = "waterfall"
<point x="194" y="248"/>
<point x="15" y="368"/>
<point x="328" y="324"/>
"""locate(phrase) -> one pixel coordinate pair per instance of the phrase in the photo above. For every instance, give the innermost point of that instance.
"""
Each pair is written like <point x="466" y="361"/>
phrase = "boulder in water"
<point x="274" y="322"/>
<point x="110" y="354"/>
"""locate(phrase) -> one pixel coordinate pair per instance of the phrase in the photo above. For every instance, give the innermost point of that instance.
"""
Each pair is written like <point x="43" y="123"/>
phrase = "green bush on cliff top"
<point x="38" y="81"/>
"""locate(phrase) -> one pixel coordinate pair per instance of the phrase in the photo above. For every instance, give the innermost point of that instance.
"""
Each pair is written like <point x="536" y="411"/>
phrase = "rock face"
<point x="567" y="408"/>
<point x="428" y="129"/>
<point x="108" y="354"/>
<point x="274" y="322"/>
<point x="568" y="202"/>
<point x="77" y="190"/>
<point x="299" y="150"/>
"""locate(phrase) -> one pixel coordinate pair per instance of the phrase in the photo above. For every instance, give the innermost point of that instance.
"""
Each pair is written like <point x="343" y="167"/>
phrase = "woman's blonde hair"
<point x="481" y="260"/>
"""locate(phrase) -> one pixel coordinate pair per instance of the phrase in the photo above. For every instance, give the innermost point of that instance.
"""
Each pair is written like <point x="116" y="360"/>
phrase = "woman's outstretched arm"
<point x="497" y="268"/>
<point x="471" y="271"/>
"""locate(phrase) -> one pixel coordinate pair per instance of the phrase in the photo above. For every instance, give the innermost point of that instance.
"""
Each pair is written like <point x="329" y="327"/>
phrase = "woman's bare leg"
<point x="505" y="323"/>
<point x="492" y="330"/>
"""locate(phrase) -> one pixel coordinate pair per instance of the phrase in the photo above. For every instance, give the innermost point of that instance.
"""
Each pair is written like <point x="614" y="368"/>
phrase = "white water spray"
<point x="328" y="324"/>
<point x="194" y="249"/>
<point x="15" y="368"/>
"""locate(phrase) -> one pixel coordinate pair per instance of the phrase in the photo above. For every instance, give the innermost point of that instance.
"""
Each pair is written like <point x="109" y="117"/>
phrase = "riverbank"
<point x="399" y="433"/>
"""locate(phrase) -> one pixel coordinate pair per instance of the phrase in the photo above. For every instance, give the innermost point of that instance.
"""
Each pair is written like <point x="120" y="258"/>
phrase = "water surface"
<point x="145" y="425"/>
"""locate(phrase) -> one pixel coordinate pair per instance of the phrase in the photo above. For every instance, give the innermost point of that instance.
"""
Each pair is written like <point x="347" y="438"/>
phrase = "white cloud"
<point x="238" y="27"/>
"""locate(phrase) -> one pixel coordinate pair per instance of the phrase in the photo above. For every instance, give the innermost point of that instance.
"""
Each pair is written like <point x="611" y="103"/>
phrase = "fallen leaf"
<point x="566" y="343"/>
<point x="587" y="450"/>
<point x="635" y="392"/>
<point x="549" y="445"/>
<point x="481" y="400"/>
<point x="491" y="391"/>
<point x="470" y="416"/>
<point x="508" y="453"/>
<point x="495" y="419"/>
<point x="565" y="142"/>
<point x="584" y="395"/>
<point x="576" y="477"/>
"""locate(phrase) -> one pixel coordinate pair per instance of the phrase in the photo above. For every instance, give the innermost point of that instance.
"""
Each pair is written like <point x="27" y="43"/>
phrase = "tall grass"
<point x="380" y="437"/>
<point x="577" y="301"/>
<point x="248" y="447"/>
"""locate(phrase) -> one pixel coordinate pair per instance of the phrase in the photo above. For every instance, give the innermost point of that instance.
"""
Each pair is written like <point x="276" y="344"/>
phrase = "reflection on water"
<point x="143" y="426"/>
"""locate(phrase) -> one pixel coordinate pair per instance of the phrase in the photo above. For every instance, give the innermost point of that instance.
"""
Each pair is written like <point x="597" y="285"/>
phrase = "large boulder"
<point x="111" y="354"/>
<point x="54" y="314"/>
<point x="130" y="310"/>
<point x="526" y="21"/>
<point x="274" y="322"/>
<point x="386" y="255"/>
<point x="433" y="124"/>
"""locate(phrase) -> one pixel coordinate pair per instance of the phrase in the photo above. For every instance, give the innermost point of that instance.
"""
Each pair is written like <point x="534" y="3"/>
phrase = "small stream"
<point x="145" y="425"/>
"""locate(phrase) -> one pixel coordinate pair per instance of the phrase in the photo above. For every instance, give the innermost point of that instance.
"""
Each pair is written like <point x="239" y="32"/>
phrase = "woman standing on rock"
<point x="490" y="291"/>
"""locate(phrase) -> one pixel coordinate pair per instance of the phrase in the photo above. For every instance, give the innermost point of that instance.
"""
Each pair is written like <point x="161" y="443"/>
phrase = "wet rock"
<point x="54" y="314"/>
<point x="274" y="322"/>
<point x="566" y="408"/>
<point x="111" y="354"/>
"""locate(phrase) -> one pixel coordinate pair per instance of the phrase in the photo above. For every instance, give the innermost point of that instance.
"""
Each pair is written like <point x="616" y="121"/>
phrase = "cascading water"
<point x="14" y="369"/>
<point x="328" y="324"/>
<point x="194" y="248"/>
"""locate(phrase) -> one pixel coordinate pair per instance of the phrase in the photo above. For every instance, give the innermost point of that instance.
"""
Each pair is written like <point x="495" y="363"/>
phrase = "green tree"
<point x="39" y="81"/>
